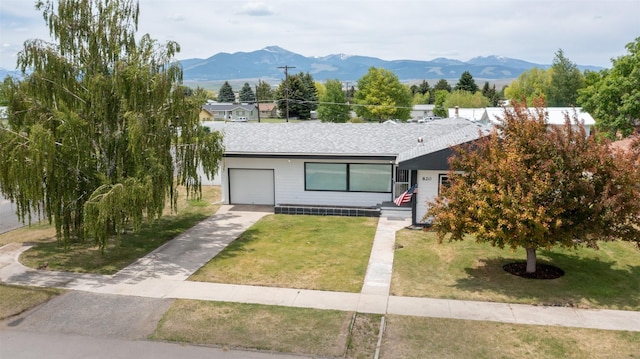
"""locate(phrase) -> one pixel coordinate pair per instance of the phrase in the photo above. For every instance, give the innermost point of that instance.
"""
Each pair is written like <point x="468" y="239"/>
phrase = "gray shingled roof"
<point x="351" y="139"/>
<point x="226" y="107"/>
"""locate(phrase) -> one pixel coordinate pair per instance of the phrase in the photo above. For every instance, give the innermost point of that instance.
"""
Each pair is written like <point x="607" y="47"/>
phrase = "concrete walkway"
<point x="163" y="274"/>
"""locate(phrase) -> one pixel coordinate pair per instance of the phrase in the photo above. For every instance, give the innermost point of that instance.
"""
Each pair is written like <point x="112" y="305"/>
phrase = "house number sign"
<point x="426" y="178"/>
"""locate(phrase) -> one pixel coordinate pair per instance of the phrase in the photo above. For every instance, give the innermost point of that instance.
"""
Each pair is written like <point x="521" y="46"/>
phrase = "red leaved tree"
<point x="536" y="186"/>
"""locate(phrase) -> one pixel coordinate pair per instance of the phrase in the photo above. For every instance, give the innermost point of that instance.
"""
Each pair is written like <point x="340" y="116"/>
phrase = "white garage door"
<point x="251" y="186"/>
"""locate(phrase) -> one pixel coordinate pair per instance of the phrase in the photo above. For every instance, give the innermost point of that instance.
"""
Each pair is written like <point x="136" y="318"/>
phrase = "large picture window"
<point x="347" y="177"/>
<point x="325" y="176"/>
<point x="369" y="178"/>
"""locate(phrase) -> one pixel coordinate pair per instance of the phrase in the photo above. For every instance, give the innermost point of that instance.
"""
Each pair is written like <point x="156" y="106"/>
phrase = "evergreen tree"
<point x="333" y="105"/>
<point x="91" y="138"/>
<point x="264" y="93"/>
<point x="424" y="87"/>
<point x="491" y="94"/>
<point x="414" y="89"/>
<point x="298" y="91"/>
<point x="226" y="94"/>
<point x="311" y="92"/>
<point x="246" y="94"/>
<point x="566" y="80"/>
<point x="467" y="83"/>
<point x="442" y="84"/>
<point x="422" y="94"/>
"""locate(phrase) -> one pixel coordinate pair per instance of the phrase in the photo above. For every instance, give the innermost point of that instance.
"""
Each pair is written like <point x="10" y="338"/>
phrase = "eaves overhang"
<point x="310" y="155"/>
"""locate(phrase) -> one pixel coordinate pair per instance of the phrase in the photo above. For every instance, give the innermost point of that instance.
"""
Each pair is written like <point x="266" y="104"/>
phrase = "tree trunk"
<point x="531" y="260"/>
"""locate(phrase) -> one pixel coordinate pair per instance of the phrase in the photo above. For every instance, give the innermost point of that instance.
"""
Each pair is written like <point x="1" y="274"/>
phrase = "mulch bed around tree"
<point x="543" y="271"/>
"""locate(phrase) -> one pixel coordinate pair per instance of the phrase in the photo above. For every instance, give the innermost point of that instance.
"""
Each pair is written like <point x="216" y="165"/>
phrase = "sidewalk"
<point x="163" y="274"/>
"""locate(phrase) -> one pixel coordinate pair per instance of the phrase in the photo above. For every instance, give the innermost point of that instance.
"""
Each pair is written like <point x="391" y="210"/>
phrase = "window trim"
<point x="443" y="178"/>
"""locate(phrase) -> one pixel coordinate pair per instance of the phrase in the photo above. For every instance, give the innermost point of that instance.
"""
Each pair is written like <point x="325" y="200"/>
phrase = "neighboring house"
<point x="556" y="116"/>
<point x="329" y="168"/>
<point x="227" y="112"/>
<point x="419" y="112"/>
<point x="268" y="110"/>
<point x="473" y="114"/>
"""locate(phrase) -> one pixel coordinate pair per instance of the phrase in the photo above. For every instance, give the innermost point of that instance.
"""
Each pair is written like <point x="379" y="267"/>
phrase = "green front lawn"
<point x="605" y="278"/>
<point x="306" y="252"/>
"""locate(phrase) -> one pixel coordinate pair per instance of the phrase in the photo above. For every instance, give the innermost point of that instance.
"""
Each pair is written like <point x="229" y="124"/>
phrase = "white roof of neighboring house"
<point x="423" y="107"/>
<point x="473" y="114"/>
<point x="556" y="115"/>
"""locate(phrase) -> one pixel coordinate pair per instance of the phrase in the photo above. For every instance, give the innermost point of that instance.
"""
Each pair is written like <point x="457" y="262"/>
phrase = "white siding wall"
<point x="289" y="183"/>
<point x="427" y="191"/>
<point x="215" y="181"/>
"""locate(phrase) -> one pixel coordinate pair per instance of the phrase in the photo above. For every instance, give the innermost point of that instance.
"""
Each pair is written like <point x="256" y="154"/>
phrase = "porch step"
<point x="389" y="209"/>
<point x="398" y="212"/>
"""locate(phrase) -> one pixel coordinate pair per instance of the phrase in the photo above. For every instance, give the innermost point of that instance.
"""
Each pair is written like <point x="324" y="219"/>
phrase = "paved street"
<point x="29" y="345"/>
<point x="8" y="218"/>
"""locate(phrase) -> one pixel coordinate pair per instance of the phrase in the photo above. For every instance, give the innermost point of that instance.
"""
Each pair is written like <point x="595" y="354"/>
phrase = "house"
<point x="473" y="114"/>
<point x="339" y="168"/>
<point x="227" y="112"/>
<point x="556" y="116"/>
<point x="268" y="110"/>
<point x="419" y="112"/>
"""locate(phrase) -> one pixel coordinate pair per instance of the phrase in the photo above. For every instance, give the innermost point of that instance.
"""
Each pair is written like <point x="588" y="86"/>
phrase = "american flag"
<point x="405" y="197"/>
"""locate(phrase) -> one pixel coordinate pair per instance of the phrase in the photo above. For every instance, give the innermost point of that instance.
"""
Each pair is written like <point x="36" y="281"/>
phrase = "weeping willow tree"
<point x="100" y="132"/>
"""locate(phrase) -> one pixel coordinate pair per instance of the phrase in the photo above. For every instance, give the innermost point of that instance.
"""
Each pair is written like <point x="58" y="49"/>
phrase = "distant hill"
<point x="263" y="64"/>
<point x="13" y="73"/>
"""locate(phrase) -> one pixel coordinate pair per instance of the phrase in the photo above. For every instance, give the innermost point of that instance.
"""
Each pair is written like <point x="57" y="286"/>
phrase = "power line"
<point x="286" y="86"/>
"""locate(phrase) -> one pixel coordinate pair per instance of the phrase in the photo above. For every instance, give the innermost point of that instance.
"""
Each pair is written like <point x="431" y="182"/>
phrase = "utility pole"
<point x="257" y="103"/>
<point x="286" y="85"/>
<point x="347" y="93"/>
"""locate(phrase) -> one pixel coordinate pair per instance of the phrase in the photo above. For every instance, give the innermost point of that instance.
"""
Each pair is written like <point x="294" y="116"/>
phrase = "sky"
<point x="589" y="32"/>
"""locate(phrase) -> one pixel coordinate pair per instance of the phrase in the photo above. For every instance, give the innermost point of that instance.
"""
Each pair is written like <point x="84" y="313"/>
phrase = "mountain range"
<point x="265" y="64"/>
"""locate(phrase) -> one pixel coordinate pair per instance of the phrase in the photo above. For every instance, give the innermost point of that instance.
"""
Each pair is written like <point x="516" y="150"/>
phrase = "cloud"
<point x="256" y="9"/>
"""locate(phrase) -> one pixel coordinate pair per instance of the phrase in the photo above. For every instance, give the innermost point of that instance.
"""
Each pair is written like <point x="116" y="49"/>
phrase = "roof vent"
<point x="420" y="141"/>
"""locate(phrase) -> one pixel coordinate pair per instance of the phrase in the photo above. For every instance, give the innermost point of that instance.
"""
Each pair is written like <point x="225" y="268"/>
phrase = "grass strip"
<point x="16" y="299"/>
<point x="260" y="327"/>
<point x="413" y="337"/>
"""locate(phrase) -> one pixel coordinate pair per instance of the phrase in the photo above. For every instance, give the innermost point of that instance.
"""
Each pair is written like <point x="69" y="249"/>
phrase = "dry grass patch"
<point x="86" y="257"/>
<point x="270" y="328"/>
<point x="605" y="278"/>
<point x="413" y="337"/>
<point x="16" y="300"/>
<point x="307" y="252"/>
<point x="35" y="233"/>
